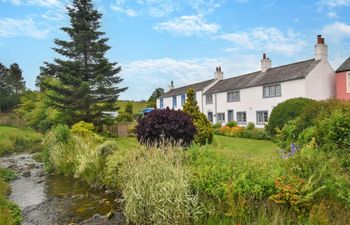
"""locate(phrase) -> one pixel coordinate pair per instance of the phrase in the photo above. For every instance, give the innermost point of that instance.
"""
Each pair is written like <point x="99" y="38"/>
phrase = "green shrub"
<point x="231" y="124"/>
<point x="334" y="131"/>
<point x="83" y="128"/>
<point x="255" y="133"/>
<point x="10" y="214"/>
<point x="124" y="117"/>
<point x="6" y="147"/>
<point x="7" y="174"/>
<point x="204" y="134"/>
<point x="250" y="126"/>
<point x="157" y="191"/>
<point x="285" y="112"/>
<point x="216" y="125"/>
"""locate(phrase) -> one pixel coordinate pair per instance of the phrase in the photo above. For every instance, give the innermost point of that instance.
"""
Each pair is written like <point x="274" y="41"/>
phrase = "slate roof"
<point x="183" y="90"/>
<point x="345" y="66"/>
<point x="298" y="70"/>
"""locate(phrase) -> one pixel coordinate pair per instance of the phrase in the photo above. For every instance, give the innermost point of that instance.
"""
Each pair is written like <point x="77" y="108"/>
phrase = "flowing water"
<point x="56" y="199"/>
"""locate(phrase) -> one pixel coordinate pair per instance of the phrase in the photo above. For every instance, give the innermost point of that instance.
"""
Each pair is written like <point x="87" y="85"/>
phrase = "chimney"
<point x="171" y="86"/>
<point x="321" y="49"/>
<point x="218" y="75"/>
<point x="265" y="63"/>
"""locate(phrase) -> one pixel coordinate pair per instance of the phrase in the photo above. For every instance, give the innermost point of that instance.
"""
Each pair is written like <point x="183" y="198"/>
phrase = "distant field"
<point x="137" y="106"/>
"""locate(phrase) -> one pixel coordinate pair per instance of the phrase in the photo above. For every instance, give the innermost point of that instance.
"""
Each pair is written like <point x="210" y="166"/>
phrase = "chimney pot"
<point x="321" y="49"/>
<point x="264" y="56"/>
<point x="218" y="75"/>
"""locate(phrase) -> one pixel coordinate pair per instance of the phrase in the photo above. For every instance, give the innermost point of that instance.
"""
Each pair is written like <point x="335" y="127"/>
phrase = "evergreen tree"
<point x="16" y="79"/>
<point x="129" y="108"/>
<point x="11" y="85"/>
<point x="156" y="94"/>
<point x="86" y="82"/>
<point x="204" y="133"/>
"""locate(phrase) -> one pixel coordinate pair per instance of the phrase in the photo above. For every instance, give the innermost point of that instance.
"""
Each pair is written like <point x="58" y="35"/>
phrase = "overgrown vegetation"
<point x="10" y="214"/>
<point x="18" y="140"/>
<point x="231" y="129"/>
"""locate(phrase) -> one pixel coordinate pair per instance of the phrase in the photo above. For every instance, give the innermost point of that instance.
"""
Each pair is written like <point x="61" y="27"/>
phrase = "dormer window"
<point x="272" y="91"/>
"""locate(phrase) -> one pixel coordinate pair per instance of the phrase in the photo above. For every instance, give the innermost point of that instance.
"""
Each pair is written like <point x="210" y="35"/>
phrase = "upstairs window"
<point x="161" y="103"/>
<point x="233" y="96"/>
<point x="272" y="91"/>
<point x="209" y="99"/>
<point x="183" y="100"/>
<point x="174" y="102"/>
<point x="262" y="117"/>
<point x="241" y="117"/>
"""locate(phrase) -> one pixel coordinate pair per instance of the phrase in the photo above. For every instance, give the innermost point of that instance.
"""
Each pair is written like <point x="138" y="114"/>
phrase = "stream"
<point x="51" y="199"/>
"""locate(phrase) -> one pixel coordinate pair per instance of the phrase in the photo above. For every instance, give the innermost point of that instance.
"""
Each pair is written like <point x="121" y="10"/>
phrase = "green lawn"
<point x="227" y="146"/>
<point x="230" y="146"/>
<point x="136" y="106"/>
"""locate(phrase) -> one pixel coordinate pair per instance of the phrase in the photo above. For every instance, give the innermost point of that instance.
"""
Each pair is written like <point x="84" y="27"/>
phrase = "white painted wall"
<point x="168" y="102"/>
<point x="252" y="100"/>
<point x="320" y="83"/>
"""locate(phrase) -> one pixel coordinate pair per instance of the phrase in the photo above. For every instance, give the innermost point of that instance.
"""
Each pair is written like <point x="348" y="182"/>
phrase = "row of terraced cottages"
<point x="251" y="97"/>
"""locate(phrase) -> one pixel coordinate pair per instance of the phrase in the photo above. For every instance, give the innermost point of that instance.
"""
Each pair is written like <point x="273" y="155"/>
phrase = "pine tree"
<point x="84" y="82"/>
<point x="16" y="79"/>
<point x="204" y="133"/>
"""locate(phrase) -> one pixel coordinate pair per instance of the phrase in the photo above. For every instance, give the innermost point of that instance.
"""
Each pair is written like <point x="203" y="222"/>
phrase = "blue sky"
<point x="156" y="41"/>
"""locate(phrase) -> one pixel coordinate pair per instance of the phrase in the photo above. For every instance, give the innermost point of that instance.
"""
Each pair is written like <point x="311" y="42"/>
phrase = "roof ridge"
<point x="258" y="71"/>
<point x="191" y="84"/>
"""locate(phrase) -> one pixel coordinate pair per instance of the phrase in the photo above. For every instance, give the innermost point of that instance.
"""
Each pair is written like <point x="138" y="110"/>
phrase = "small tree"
<point x="129" y="108"/>
<point x="204" y="129"/>
<point x="166" y="127"/>
<point x="156" y="94"/>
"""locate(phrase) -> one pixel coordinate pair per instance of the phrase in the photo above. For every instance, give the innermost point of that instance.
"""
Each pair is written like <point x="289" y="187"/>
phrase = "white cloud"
<point x="334" y="3"/>
<point x="187" y="26"/>
<point x="120" y="9"/>
<point x="337" y="31"/>
<point x="41" y="3"/>
<point x="266" y="39"/>
<point x="21" y="28"/>
<point x="332" y="15"/>
<point x="137" y="74"/>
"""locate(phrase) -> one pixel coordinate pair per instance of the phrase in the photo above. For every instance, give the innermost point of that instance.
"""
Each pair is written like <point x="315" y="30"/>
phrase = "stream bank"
<point x="55" y="199"/>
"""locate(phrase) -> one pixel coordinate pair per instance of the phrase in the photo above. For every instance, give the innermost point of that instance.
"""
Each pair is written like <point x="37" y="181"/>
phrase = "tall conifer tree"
<point x="83" y="83"/>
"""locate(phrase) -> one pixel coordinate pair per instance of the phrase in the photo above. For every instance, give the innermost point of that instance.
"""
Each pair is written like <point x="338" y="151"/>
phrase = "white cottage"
<point x="251" y="97"/>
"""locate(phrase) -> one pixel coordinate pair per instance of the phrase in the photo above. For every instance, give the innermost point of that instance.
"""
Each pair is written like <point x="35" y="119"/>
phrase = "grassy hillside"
<point x="137" y="106"/>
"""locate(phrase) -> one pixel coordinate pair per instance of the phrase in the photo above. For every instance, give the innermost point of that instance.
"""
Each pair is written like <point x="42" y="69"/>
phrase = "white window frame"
<point x="264" y="121"/>
<point x="348" y="82"/>
<point x="238" y="118"/>
<point x="161" y="103"/>
<point x="233" y="115"/>
<point x="207" y="98"/>
<point x="223" y="117"/>
<point x="234" y="99"/>
<point x="212" y="116"/>
<point x="174" y="101"/>
<point x="272" y="88"/>
<point x="183" y="99"/>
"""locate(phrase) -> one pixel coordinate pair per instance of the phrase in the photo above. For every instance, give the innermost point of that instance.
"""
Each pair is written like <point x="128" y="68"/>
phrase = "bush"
<point x="285" y="112"/>
<point x="231" y="131"/>
<point x="217" y="125"/>
<point x="157" y="191"/>
<point x="204" y="130"/>
<point x="166" y="127"/>
<point x="124" y="117"/>
<point x="250" y="126"/>
<point x="255" y="133"/>
<point x="83" y="128"/>
<point x="334" y="131"/>
<point x="231" y="124"/>
<point x="6" y="147"/>
<point x="204" y="134"/>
